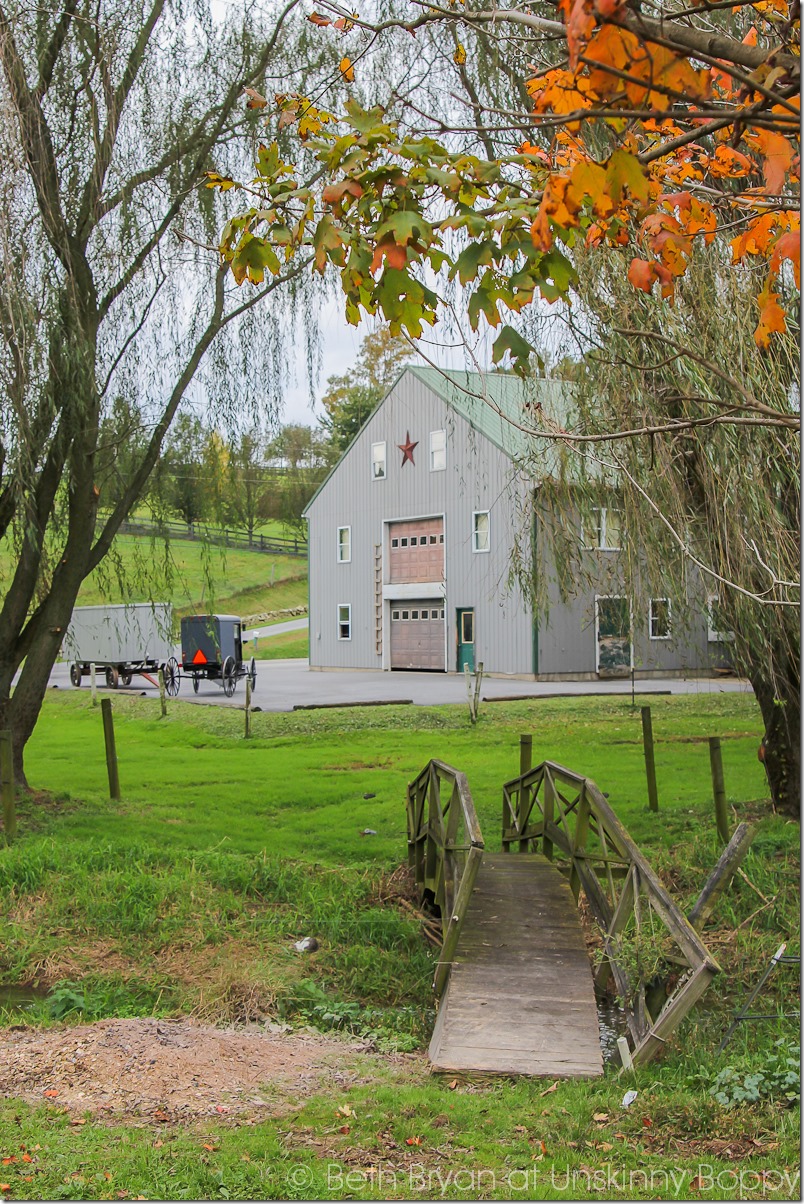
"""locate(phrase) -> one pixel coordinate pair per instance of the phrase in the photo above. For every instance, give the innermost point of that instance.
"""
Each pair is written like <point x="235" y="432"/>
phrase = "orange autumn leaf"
<point x="255" y="99"/>
<point x="788" y="247"/>
<point x="347" y="70"/>
<point x="771" y="318"/>
<point x="317" y="19"/>
<point x="580" y="21"/>
<point x="394" y="253"/>
<point x="643" y="272"/>
<point x="777" y="158"/>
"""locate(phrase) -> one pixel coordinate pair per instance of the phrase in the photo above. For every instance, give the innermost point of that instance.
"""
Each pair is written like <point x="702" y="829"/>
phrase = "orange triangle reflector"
<point x="199" y="658"/>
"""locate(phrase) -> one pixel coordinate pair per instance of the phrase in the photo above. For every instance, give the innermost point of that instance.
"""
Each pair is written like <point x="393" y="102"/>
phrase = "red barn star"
<point x="407" y="449"/>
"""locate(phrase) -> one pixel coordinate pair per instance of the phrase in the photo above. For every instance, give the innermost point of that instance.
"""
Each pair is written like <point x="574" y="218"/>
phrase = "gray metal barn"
<point x="411" y="538"/>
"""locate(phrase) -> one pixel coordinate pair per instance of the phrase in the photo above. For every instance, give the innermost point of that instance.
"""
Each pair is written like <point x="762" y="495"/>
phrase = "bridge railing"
<point x="445" y="849"/>
<point x="659" y="964"/>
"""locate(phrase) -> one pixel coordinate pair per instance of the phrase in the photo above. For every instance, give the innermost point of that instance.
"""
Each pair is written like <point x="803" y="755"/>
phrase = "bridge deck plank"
<point x="520" y="998"/>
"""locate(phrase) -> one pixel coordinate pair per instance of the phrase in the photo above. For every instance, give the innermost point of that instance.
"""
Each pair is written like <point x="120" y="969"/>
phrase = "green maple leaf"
<point x="404" y="225"/>
<point x="624" y="171"/>
<point x="509" y="340"/>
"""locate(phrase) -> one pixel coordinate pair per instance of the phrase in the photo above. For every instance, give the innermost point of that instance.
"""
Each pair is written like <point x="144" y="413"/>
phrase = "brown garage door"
<point x="417" y="635"/>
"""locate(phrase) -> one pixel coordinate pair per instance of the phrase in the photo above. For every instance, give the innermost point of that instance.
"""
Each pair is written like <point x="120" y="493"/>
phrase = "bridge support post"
<point x="525" y="765"/>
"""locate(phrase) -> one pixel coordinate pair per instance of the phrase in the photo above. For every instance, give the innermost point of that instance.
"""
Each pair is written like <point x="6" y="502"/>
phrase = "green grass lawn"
<point x="186" y="897"/>
<point x="279" y="647"/>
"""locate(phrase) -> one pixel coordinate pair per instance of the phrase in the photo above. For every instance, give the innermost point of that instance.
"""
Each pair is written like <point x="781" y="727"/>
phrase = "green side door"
<point x="466" y="640"/>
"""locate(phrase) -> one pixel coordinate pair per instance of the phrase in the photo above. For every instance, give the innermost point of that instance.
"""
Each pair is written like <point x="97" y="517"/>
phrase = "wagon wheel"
<point x="170" y="672"/>
<point x="112" y="677"/>
<point x="252" y="672"/>
<point x="75" y="674"/>
<point x="196" y="683"/>
<point x="127" y="678"/>
<point x="229" y="676"/>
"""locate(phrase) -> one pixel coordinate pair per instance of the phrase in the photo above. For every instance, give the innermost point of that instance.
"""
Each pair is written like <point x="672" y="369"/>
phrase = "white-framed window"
<point x="438" y="451"/>
<point x="344" y="621"/>
<point x="716" y="633"/>
<point x="480" y="531"/>
<point x="394" y="616"/>
<point x="344" y="545"/>
<point x="602" y="530"/>
<point x="659" y="619"/>
<point x="378" y="461"/>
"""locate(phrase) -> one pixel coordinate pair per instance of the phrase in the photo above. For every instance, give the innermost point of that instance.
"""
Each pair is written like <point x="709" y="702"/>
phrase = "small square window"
<point x="378" y="461"/>
<point x="433" y="539"/>
<point x="659" y="619"/>
<point x="403" y="543"/>
<point x="394" y="616"/>
<point x="344" y="621"/>
<point x="442" y="614"/>
<point x="394" y="543"/>
<point x="717" y="632"/>
<point x="438" y="451"/>
<point x="414" y="614"/>
<point x="602" y="531"/>
<point x="405" y="614"/>
<point x="441" y="539"/>
<point x="344" y="545"/>
<point x="413" y="541"/>
<point x="480" y="531"/>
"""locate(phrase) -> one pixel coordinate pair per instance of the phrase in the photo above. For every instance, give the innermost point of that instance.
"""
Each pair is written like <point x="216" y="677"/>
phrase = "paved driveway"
<point x="285" y="684"/>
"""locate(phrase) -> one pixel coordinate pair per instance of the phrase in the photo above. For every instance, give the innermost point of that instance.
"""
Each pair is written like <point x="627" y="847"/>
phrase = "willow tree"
<point x="112" y="290"/>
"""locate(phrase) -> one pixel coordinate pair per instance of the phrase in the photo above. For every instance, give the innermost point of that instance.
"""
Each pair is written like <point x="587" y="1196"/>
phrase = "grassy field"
<point x="277" y="647"/>
<point x="192" y="576"/>
<point x="184" y="898"/>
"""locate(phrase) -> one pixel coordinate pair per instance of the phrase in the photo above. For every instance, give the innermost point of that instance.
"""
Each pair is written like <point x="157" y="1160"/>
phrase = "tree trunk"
<point x="780" y="751"/>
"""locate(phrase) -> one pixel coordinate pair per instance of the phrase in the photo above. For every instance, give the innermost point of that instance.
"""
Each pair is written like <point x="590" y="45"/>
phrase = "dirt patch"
<point x="174" y="1070"/>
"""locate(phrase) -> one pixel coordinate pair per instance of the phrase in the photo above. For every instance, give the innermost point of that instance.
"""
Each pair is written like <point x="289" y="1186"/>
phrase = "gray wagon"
<point x="212" y="650"/>
<point x="135" y="637"/>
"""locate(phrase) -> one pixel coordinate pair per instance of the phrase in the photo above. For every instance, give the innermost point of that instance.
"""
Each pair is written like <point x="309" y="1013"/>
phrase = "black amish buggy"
<point x="212" y="648"/>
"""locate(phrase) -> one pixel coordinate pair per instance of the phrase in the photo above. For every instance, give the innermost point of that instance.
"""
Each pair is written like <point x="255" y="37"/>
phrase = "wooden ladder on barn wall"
<point x="378" y="598"/>
<point x="514" y="980"/>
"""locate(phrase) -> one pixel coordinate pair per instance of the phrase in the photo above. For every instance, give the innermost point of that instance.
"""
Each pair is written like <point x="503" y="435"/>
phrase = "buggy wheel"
<point x="170" y="672"/>
<point x="75" y="674"/>
<point x="252" y="672"/>
<point x="229" y="676"/>
<point x="112" y="677"/>
<point x="127" y="678"/>
<point x="196" y="683"/>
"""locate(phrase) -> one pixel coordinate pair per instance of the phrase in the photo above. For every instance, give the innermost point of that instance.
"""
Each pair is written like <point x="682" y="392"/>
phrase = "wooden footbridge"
<point x="514" y="979"/>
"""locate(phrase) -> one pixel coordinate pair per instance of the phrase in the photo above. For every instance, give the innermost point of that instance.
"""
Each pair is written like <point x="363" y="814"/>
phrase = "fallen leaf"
<point x="221" y="1108"/>
<point x="5" y="1187"/>
<point x="12" y="1158"/>
<point x="345" y="1110"/>
<point x="80" y="1121"/>
<point x="27" y="1158"/>
<point x="520" y="1129"/>
<point x="696" y="1184"/>
<point x="208" y="1146"/>
<point x="551" y="1088"/>
<point x="453" y="1084"/>
<point x="600" y="1117"/>
<point x="51" y="1094"/>
<point x="647" y="1122"/>
<point x="158" y="1143"/>
<point x="413" y="1141"/>
<point x="344" y="1129"/>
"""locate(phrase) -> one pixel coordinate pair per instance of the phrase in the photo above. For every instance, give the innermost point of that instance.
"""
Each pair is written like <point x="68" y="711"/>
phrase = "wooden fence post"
<point x="719" y="788"/>
<point x="7" y="781"/>
<point x="525" y="765"/>
<point x="162" y="699"/>
<point x="650" y="763"/>
<point x="111" y="752"/>
<point x="93" y="685"/>
<point x="248" y="707"/>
